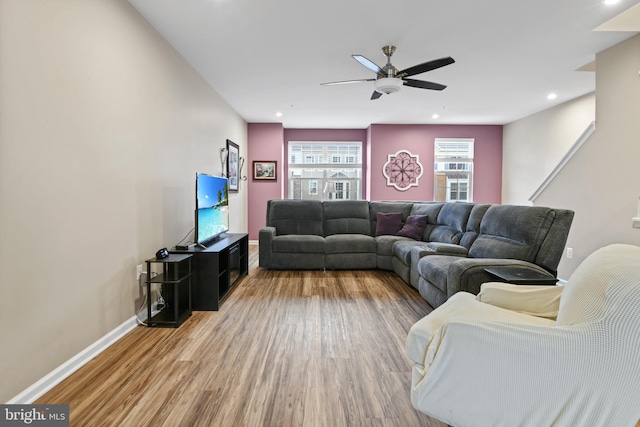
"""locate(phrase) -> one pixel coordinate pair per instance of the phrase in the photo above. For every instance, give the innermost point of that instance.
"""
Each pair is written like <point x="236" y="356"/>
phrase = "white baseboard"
<point x="56" y="376"/>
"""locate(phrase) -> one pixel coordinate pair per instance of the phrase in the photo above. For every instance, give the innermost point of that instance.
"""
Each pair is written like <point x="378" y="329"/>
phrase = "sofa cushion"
<point x="414" y="227"/>
<point x="402" y="249"/>
<point x="295" y="217"/>
<point x="295" y="243"/>
<point x="435" y="269"/>
<point x="473" y="225"/>
<point x="431" y="210"/>
<point x="455" y="215"/>
<point x="346" y="217"/>
<point x="452" y="222"/>
<point x="349" y="243"/>
<point x="445" y="234"/>
<point x="515" y="232"/>
<point x="447" y="249"/>
<point x="388" y="223"/>
<point x="384" y="244"/>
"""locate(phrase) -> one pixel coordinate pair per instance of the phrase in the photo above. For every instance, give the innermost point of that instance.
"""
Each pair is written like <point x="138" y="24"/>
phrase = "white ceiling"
<point x="265" y="56"/>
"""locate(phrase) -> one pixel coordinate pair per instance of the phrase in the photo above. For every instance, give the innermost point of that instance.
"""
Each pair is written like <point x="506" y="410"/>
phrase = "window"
<point x="458" y="191"/>
<point x="456" y="166"/>
<point x="325" y="170"/>
<point x="342" y="190"/>
<point x="313" y="187"/>
<point x="453" y="170"/>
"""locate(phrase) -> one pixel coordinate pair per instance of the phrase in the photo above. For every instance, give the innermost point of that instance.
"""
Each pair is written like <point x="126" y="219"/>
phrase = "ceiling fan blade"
<point x="367" y="63"/>
<point x="423" y="85"/>
<point x="375" y="95"/>
<point x="346" y="82"/>
<point x="426" y="66"/>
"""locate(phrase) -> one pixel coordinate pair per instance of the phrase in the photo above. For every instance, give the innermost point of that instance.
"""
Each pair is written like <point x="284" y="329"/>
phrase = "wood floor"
<point x="287" y="348"/>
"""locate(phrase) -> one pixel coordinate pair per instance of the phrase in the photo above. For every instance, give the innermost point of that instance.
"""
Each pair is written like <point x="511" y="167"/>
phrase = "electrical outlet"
<point x="570" y="253"/>
<point x="139" y="271"/>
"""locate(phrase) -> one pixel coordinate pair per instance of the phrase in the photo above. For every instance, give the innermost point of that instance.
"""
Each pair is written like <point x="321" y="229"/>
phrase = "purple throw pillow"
<point x="414" y="227"/>
<point x="388" y="223"/>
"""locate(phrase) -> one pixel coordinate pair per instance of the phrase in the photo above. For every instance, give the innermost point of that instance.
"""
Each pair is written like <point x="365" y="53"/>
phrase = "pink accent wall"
<point x="419" y="139"/>
<point x="268" y="141"/>
<point x="264" y="142"/>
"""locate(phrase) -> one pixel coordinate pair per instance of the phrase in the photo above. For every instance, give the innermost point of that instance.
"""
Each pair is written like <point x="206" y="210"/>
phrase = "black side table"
<point x="518" y="276"/>
<point x="174" y="279"/>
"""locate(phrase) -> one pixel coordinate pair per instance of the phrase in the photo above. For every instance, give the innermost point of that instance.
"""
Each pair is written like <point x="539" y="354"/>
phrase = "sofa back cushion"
<point x="431" y="211"/>
<point x="295" y="216"/>
<point x="346" y="217"/>
<point x="473" y="225"/>
<point x="375" y="207"/>
<point x="451" y="223"/>
<point x="515" y="232"/>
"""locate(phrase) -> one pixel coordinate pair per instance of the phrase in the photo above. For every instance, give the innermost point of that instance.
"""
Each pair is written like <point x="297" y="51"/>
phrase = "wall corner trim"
<point x="56" y="376"/>
<point x="573" y="150"/>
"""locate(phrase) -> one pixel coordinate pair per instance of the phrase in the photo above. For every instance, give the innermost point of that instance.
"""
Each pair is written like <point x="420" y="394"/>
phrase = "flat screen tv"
<point x="212" y="207"/>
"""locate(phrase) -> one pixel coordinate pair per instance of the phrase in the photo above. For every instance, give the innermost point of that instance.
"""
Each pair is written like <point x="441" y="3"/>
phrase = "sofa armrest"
<point x="265" y="242"/>
<point x="467" y="274"/>
<point x="534" y="300"/>
<point x="438" y="248"/>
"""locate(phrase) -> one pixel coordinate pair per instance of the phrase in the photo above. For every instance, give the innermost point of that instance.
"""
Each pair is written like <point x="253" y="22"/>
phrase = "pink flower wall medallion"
<point x="402" y="170"/>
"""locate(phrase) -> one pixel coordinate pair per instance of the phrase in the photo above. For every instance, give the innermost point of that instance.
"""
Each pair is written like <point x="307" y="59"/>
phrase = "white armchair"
<point x="504" y="359"/>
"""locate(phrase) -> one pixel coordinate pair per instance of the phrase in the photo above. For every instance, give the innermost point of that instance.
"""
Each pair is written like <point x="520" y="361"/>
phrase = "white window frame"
<point x="325" y="162"/>
<point x="462" y="173"/>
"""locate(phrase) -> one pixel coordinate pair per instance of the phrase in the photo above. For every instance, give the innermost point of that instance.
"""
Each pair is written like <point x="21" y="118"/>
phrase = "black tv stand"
<point x="217" y="268"/>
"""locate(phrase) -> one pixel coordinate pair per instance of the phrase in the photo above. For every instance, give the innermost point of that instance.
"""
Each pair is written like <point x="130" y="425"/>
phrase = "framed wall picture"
<point x="265" y="169"/>
<point x="233" y="159"/>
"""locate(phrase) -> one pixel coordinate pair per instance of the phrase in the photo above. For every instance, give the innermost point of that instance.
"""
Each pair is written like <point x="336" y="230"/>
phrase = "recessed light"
<point x="278" y="114"/>
<point x="435" y="116"/>
<point x="552" y="96"/>
<point x="609" y="2"/>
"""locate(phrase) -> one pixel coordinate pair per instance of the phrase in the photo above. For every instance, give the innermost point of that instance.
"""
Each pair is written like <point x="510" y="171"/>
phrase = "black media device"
<point x="162" y="253"/>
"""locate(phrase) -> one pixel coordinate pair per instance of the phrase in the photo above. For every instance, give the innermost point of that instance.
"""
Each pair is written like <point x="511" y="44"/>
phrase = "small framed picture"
<point x="233" y="158"/>
<point x="265" y="169"/>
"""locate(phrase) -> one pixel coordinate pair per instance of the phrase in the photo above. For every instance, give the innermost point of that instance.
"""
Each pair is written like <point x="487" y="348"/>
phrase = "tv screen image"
<point x="212" y="207"/>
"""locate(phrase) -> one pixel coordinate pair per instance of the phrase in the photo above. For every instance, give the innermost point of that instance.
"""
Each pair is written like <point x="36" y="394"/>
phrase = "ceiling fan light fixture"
<point x="388" y="85"/>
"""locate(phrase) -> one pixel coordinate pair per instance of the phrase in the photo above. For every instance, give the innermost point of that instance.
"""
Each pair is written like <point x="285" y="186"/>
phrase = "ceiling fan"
<point x="390" y="80"/>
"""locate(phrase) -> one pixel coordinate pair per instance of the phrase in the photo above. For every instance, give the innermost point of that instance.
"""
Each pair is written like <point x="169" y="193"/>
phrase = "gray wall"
<point x="601" y="182"/>
<point x="102" y="129"/>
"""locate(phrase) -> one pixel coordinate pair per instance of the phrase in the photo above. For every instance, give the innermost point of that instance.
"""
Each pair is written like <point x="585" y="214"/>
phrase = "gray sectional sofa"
<point x="458" y="242"/>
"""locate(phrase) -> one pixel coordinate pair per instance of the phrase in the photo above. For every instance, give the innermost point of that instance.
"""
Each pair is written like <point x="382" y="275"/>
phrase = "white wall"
<point x="533" y="146"/>
<point x="601" y="182"/>
<point x="102" y="129"/>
